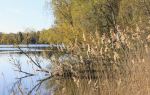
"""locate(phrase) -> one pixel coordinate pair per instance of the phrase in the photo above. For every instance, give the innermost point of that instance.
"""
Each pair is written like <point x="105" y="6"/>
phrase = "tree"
<point x="21" y="38"/>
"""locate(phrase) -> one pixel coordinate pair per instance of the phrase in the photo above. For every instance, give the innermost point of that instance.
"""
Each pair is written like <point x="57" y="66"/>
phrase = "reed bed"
<point x="114" y="63"/>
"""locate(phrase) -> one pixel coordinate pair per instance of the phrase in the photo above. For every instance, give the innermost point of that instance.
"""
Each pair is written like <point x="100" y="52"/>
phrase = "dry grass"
<point x="111" y="64"/>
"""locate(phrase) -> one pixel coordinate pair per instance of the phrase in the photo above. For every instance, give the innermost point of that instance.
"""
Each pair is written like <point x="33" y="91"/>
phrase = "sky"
<point x="19" y="15"/>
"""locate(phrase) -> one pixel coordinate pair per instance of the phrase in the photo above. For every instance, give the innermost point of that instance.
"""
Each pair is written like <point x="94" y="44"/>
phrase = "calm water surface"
<point x="8" y="76"/>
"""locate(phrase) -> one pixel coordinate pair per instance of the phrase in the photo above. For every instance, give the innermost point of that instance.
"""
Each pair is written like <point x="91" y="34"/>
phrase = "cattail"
<point x="106" y="49"/>
<point x="123" y="37"/>
<point x="118" y="45"/>
<point x="119" y="82"/>
<point x="76" y="81"/>
<point x="103" y="38"/>
<point x="101" y="51"/>
<point x="97" y="36"/>
<point x="81" y="59"/>
<point x="118" y="28"/>
<point x="76" y="41"/>
<point x="148" y="38"/>
<point x="133" y="61"/>
<point x="84" y="38"/>
<point x="89" y="48"/>
<point x="117" y="36"/>
<point x="89" y="82"/>
<point x="116" y="56"/>
<point x="137" y="28"/>
<point x="146" y="48"/>
<point x="143" y="60"/>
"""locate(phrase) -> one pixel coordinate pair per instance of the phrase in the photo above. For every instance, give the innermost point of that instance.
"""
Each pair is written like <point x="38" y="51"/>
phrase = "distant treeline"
<point x="37" y="37"/>
<point x="20" y="38"/>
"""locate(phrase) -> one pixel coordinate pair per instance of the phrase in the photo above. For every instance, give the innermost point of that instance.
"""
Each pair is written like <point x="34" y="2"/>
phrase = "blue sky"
<point x="17" y="15"/>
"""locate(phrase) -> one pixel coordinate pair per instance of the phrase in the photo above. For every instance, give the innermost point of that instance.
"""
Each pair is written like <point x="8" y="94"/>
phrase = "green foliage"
<point x="87" y="14"/>
<point x="103" y="15"/>
<point x="134" y="11"/>
<point x="75" y="17"/>
<point x="60" y="34"/>
<point x="20" y="38"/>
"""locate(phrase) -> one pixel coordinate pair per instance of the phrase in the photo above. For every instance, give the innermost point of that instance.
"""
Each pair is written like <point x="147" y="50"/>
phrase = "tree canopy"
<point x="75" y="17"/>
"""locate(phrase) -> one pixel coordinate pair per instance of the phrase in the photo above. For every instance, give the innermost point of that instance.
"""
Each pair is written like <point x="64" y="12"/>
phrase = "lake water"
<point x="11" y="60"/>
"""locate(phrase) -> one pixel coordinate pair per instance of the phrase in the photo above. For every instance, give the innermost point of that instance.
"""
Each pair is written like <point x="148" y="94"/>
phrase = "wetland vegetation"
<point x="100" y="47"/>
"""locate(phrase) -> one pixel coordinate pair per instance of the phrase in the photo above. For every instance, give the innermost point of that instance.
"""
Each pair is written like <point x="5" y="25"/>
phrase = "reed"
<point x="116" y="63"/>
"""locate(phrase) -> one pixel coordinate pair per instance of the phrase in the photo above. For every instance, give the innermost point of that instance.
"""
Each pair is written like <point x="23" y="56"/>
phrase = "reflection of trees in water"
<point x="38" y="87"/>
<point x="53" y="82"/>
<point x="18" y="87"/>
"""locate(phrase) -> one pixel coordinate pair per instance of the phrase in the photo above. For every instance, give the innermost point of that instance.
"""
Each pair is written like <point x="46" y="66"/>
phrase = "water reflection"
<point x="12" y="81"/>
<point x="21" y="76"/>
<point x="25" y="69"/>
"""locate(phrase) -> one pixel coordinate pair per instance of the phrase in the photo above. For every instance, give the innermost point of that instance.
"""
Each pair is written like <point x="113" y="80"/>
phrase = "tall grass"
<point x="116" y="63"/>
